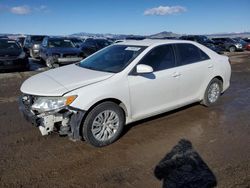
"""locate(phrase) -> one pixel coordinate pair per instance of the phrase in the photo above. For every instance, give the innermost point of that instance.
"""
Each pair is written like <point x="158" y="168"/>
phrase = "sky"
<point x="143" y="17"/>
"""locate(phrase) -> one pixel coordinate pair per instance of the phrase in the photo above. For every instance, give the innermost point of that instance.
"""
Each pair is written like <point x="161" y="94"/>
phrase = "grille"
<point x="70" y="55"/>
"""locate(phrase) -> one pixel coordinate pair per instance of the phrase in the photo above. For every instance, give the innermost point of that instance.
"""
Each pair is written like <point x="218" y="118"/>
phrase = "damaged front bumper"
<point x="65" y="121"/>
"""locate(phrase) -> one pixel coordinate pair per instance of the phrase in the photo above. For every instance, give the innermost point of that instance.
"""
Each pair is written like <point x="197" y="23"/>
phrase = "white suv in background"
<point x="123" y="83"/>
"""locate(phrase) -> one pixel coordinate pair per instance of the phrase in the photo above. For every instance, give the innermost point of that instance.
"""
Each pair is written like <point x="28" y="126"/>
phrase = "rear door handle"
<point x="176" y="74"/>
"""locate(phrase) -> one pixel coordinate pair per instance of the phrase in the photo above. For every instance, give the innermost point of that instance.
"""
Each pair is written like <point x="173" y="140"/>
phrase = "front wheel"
<point x="232" y="49"/>
<point x="103" y="124"/>
<point x="213" y="92"/>
<point x="50" y="62"/>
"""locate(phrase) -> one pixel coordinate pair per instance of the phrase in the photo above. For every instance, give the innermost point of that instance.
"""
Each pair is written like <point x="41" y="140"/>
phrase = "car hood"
<point x="57" y="82"/>
<point x="64" y="50"/>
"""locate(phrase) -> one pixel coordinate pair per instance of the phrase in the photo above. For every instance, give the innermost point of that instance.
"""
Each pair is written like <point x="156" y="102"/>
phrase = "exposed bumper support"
<point x="69" y="121"/>
<point x="75" y="123"/>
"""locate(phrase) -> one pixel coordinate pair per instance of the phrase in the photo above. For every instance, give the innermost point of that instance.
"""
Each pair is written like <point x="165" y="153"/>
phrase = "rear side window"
<point x="189" y="53"/>
<point x="160" y="58"/>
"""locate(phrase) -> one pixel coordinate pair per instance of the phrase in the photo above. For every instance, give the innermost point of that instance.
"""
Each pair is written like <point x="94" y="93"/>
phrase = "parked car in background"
<point x="12" y="56"/>
<point x="123" y="83"/>
<point x="248" y="43"/>
<point x="57" y="51"/>
<point x="247" y="40"/>
<point x="170" y="38"/>
<point x="135" y="38"/>
<point x="241" y="41"/>
<point x="229" y="44"/>
<point x="3" y="37"/>
<point x="204" y="40"/>
<point x="91" y="45"/>
<point x="31" y="45"/>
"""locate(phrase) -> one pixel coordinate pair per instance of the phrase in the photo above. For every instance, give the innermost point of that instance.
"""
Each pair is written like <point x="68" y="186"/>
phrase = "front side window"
<point x="189" y="53"/>
<point x="112" y="59"/>
<point x="27" y="40"/>
<point x="160" y="58"/>
<point x="45" y="42"/>
<point x="76" y="41"/>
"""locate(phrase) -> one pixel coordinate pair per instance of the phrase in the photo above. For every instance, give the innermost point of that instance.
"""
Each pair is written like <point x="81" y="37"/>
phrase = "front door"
<point x="156" y="92"/>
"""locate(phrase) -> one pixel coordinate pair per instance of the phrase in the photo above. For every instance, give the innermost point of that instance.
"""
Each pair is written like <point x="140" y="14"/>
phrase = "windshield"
<point x="204" y="39"/>
<point x="76" y="41"/>
<point x="112" y="59"/>
<point x="240" y="40"/>
<point x="8" y="44"/>
<point x="231" y="40"/>
<point x="61" y="43"/>
<point x="37" y="38"/>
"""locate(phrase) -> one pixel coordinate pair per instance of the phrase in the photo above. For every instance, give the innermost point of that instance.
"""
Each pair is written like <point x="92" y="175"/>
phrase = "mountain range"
<point x="164" y="34"/>
<point x="161" y="35"/>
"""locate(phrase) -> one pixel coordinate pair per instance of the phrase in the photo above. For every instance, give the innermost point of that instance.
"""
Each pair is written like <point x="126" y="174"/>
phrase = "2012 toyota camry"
<point x="123" y="83"/>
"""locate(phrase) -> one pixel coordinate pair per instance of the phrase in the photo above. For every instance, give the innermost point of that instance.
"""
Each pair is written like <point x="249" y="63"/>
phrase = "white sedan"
<point x="123" y="83"/>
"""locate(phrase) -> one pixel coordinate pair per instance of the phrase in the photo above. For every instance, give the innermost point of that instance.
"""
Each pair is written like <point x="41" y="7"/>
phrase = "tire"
<point x="94" y="129"/>
<point x="30" y="54"/>
<point x="212" y="93"/>
<point x="232" y="49"/>
<point x="50" y="62"/>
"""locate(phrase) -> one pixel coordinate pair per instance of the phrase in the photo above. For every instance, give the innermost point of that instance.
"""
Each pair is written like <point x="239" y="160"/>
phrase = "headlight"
<point x="22" y="55"/>
<point x="45" y="104"/>
<point x="36" y="46"/>
<point x="238" y="45"/>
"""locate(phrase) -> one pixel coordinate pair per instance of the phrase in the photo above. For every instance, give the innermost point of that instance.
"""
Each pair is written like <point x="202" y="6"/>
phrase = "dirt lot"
<point x="221" y="135"/>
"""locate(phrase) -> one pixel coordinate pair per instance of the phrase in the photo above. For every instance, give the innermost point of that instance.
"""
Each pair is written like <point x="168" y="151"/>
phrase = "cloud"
<point x="21" y="10"/>
<point x="41" y="8"/>
<point x="164" y="10"/>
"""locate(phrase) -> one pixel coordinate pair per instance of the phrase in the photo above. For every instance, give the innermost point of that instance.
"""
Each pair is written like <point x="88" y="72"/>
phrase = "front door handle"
<point x="210" y="66"/>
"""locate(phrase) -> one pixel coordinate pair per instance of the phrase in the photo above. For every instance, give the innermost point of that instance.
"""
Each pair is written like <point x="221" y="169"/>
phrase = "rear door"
<point x="195" y="68"/>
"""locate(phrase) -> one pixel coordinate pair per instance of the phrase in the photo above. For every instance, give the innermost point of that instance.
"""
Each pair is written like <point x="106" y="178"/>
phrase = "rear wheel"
<point x="213" y="92"/>
<point x="104" y="124"/>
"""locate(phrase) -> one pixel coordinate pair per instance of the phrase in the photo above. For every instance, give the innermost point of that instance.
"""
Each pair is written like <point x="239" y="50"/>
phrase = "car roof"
<point x="37" y="35"/>
<point x="152" y="42"/>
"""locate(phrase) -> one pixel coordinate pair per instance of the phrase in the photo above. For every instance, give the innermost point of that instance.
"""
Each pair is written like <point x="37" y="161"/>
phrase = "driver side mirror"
<point x="143" y="69"/>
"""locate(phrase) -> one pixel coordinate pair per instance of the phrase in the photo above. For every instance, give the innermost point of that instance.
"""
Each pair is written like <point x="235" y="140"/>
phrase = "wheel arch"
<point x="114" y="100"/>
<point x="208" y="82"/>
<point x="219" y="78"/>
